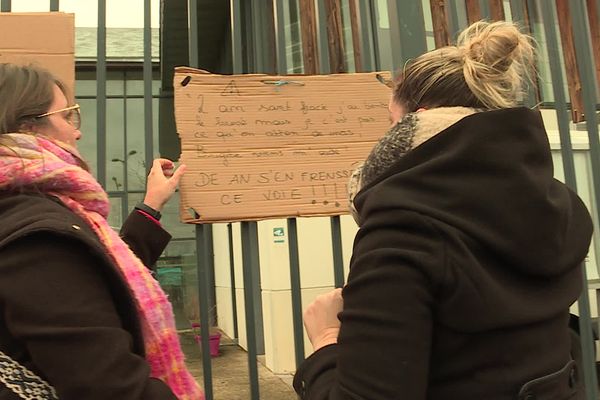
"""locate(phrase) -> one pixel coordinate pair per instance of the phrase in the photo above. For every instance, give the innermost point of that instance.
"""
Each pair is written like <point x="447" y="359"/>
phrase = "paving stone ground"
<point x="230" y="373"/>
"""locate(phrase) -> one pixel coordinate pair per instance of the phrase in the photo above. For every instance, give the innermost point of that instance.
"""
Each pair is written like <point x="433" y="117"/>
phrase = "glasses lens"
<point x="75" y="118"/>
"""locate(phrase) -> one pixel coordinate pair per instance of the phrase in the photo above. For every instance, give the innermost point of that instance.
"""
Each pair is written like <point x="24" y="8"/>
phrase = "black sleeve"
<point x="57" y="303"/>
<point x="145" y="237"/>
<point x="384" y="343"/>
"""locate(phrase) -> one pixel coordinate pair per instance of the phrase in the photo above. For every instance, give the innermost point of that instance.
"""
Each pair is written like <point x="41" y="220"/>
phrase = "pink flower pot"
<point x="213" y="340"/>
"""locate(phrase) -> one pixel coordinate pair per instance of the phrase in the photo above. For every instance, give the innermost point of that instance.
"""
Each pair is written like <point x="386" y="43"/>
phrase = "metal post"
<point x="517" y="9"/>
<point x="338" y="260"/>
<point x="552" y="46"/>
<point x="125" y="200"/>
<point x="5" y="6"/>
<point x="202" y="254"/>
<point x="53" y="5"/>
<point x="233" y="286"/>
<point x="484" y="7"/>
<point x="585" y="64"/>
<point x="321" y="16"/>
<point x="296" y="287"/>
<point x="407" y="30"/>
<point x="148" y="125"/>
<point x="203" y="236"/>
<point x="236" y="36"/>
<point x="453" y="22"/>
<point x="376" y="49"/>
<point x="280" y="37"/>
<point x="101" y="93"/>
<point x="336" y="235"/>
<point x="250" y="263"/>
<point x="296" y="291"/>
<point x="366" y="36"/>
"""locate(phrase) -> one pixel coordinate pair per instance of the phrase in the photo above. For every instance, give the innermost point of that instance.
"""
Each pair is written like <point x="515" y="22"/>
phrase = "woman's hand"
<point x="321" y="319"/>
<point x="162" y="182"/>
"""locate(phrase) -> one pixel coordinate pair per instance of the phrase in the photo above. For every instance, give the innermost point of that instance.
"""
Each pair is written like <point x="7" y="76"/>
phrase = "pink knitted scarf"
<point x="39" y="163"/>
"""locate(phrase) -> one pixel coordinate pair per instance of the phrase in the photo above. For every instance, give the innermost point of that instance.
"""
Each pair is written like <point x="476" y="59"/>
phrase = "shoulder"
<point x="24" y="214"/>
<point x="402" y="236"/>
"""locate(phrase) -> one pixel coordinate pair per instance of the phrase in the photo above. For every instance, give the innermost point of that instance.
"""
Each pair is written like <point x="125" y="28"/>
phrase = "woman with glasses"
<point x="81" y="316"/>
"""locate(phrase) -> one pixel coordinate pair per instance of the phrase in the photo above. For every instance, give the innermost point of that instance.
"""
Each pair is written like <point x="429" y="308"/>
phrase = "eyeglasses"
<point x="73" y="116"/>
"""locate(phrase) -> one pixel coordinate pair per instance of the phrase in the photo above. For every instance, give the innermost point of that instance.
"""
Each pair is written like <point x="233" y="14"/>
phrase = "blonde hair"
<point x="488" y="68"/>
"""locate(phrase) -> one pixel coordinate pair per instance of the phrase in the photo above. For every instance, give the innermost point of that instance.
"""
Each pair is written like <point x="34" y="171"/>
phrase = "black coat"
<point x="468" y="257"/>
<point x="66" y="313"/>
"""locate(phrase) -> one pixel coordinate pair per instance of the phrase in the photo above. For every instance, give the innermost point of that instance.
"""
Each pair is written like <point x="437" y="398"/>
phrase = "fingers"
<point x="178" y="174"/>
<point x="164" y="166"/>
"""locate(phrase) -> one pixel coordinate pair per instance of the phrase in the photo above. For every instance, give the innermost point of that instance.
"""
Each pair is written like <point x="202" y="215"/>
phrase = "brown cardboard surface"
<point x="256" y="148"/>
<point x="43" y="39"/>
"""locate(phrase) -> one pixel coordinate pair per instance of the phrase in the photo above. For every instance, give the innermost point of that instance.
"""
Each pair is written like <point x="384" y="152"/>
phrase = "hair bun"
<point x="498" y="58"/>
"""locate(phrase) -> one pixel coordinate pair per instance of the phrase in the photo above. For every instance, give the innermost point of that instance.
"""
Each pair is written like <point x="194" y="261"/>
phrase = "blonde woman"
<point x="469" y="252"/>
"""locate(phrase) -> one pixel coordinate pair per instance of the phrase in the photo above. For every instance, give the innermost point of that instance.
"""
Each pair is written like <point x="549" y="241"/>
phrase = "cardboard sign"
<point x="260" y="146"/>
<point x="46" y="40"/>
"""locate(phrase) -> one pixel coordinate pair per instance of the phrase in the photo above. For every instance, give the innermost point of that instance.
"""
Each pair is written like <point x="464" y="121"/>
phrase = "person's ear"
<point x="28" y="125"/>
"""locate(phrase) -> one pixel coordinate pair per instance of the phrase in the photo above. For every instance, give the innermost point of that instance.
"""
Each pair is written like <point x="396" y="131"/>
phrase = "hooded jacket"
<point x="66" y="312"/>
<point x="467" y="259"/>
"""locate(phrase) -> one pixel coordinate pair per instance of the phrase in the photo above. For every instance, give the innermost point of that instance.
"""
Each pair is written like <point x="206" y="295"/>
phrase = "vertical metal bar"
<point x="5" y="5"/>
<point x="193" y="32"/>
<point x="232" y="276"/>
<point x="203" y="236"/>
<point x="366" y="35"/>
<point x="258" y="42"/>
<point x="321" y="16"/>
<point x="338" y="259"/>
<point x="453" y="21"/>
<point x="296" y="290"/>
<point x="552" y="46"/>
<point x="484" y="7"/>
<point x="250" y="263"/>
<point x="148" y="117"/>
<point x="295" y="286"/>
<point x="335" y="36"/>
<point x="585" y="63"/>
<point x="238" y="66"/>
<point x="260" y="25"/>
<point x="101" y="93"/>
<point x="236" y="36"/>
<point x="54" y="5"/>
<point x="280" y="37"/>
<point x="356" y="38"/>
<point x="517" y="9"/>
<point x="123" y="77"/>
<point x="375" y="27"/>
<point x="201" y="257"/>
<point x="325" y="68"/>
<point x="408" y="38"/>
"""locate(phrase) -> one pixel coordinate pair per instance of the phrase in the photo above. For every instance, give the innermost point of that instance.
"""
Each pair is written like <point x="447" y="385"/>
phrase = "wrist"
<point x="148" y="209"/>
<point x="153" y="204"/>
<point x="328" y="337"/>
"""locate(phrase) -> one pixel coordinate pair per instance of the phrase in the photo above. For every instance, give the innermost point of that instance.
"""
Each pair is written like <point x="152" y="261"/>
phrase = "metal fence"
<point x="258" y="44"/>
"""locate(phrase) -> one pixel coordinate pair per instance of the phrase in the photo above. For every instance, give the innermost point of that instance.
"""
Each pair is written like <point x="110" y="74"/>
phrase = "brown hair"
<point x="488" y="68"/>
<point x="25" y="92"/>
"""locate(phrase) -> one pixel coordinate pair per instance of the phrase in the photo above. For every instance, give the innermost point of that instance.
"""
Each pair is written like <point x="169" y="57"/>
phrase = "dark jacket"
<point x="66" y="313"/>
<point x="468" y="257"/>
